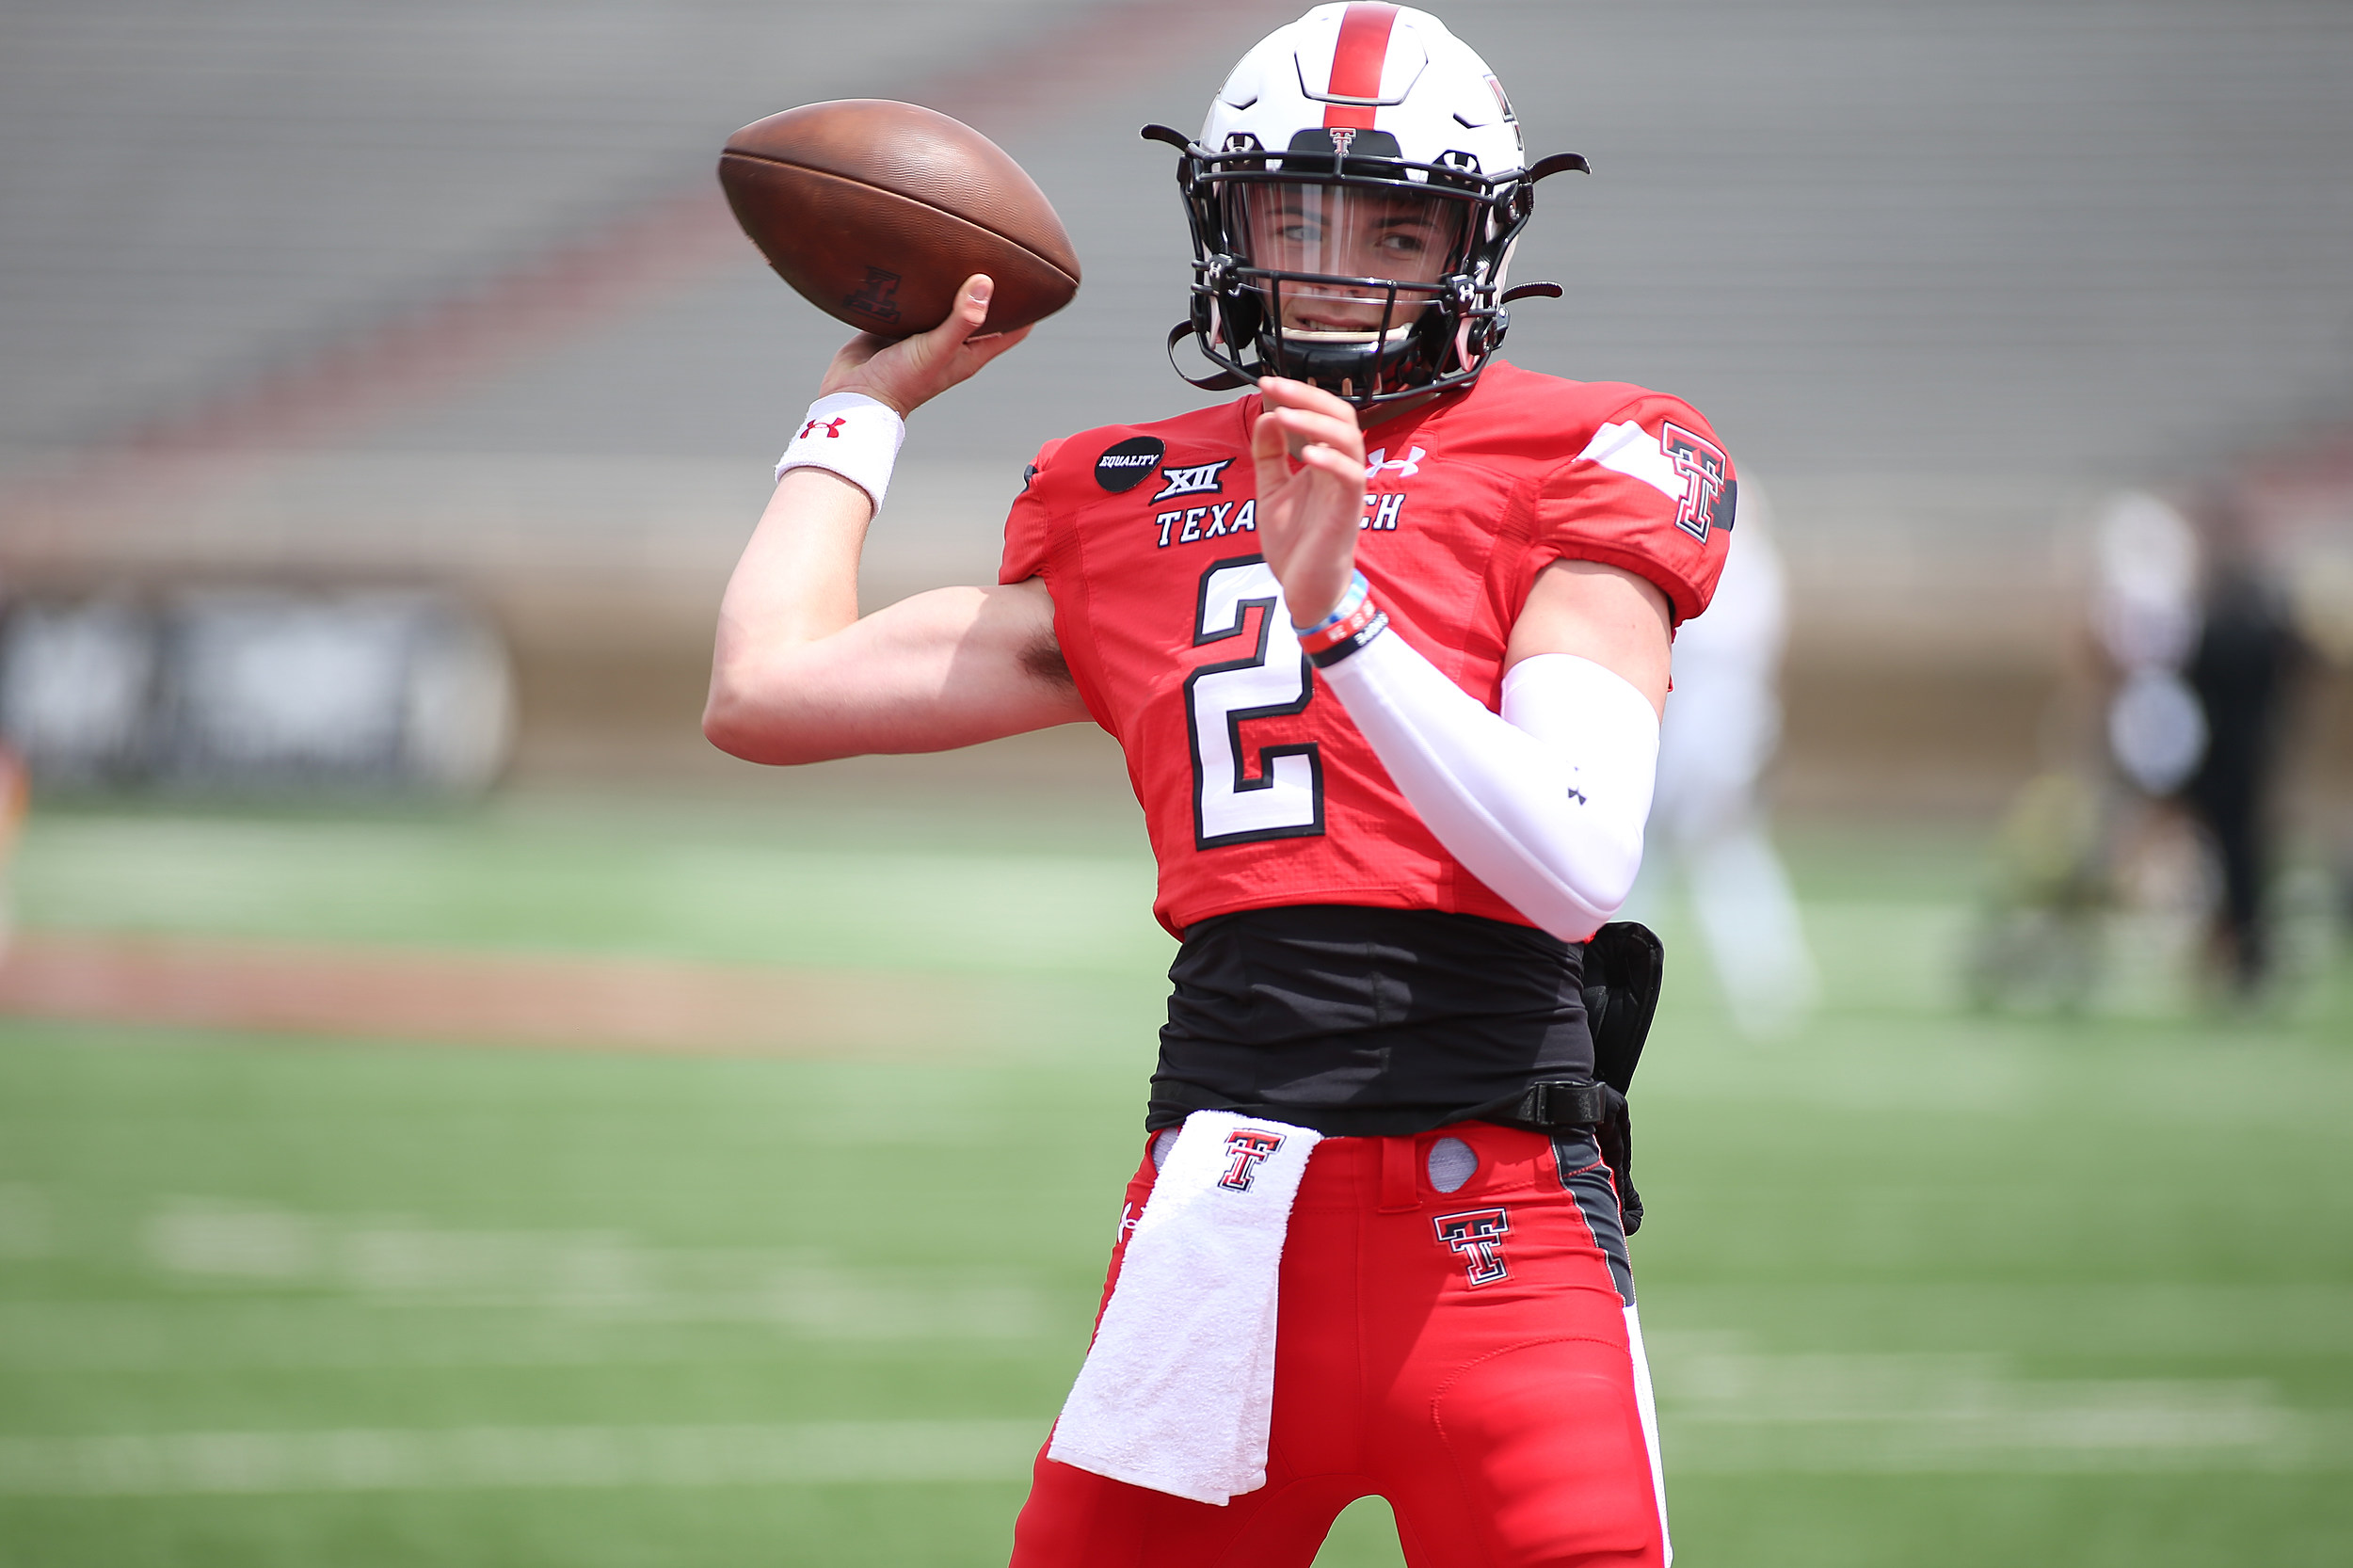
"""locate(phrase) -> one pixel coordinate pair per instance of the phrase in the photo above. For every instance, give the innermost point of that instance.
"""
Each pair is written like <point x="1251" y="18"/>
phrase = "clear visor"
<point x="1331" y="237"/>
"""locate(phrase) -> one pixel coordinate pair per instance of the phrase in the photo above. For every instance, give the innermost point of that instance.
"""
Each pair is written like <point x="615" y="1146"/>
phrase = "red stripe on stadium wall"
<point x="1356" y="62"/>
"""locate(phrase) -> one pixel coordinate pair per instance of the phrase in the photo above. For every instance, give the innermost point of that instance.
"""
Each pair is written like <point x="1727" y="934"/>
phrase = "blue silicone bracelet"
<point x="1357" y="589"/>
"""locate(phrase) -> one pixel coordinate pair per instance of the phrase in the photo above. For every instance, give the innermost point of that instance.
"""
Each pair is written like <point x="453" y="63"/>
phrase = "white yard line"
<point x="465" y="1458"/>
<point x="1729" y="1413"/>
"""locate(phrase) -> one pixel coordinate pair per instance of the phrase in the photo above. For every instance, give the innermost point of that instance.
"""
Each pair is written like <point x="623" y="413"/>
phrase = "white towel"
<point x="1178" y="1393"/>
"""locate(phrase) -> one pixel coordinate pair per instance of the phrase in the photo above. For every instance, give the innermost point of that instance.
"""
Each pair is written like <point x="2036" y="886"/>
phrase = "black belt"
<point x="1580" y="1105"/>
<point x="1555" y="1104"/>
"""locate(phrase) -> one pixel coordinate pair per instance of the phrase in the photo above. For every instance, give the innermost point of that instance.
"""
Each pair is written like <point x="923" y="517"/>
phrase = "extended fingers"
<point x="1307" y="416"/>
<point x="1303" y="429"/>
<point x="1331" y="462"/>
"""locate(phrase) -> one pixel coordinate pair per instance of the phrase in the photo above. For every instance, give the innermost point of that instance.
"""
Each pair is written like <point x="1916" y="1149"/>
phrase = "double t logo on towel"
<point x="1244" y="1150"/>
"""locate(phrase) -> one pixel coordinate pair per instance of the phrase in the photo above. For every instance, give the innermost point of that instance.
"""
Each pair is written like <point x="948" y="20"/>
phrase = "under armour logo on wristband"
<point x="852" y="435"/>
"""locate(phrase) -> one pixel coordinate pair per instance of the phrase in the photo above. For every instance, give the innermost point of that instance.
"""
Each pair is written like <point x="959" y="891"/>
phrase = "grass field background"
<point x="1923" y="1287"/>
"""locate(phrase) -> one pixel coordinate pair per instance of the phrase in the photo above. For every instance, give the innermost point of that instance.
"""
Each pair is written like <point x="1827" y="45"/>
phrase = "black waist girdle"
<point x="1364" y="1022"/>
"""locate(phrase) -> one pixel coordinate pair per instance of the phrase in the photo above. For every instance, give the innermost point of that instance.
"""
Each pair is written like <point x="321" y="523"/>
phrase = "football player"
<point x="1384" y="641"/>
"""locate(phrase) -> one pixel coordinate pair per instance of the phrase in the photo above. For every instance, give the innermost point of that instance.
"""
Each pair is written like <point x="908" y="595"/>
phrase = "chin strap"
<point x="1223" y="380"/>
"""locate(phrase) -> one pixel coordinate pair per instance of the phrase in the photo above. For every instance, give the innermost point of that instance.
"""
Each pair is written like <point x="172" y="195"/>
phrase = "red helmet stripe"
<point x="1356" y="62"/>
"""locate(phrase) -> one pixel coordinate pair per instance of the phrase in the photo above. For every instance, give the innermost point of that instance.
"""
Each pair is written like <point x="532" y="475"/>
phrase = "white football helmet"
<point x="1353" y="198"/>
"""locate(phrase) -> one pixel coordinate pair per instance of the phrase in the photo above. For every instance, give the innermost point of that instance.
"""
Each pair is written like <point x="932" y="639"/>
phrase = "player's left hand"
<point x="1308" y="514"/>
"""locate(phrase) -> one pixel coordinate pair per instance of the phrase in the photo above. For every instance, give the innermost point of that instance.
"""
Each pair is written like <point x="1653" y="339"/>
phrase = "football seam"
<point x="1048" y="262"/>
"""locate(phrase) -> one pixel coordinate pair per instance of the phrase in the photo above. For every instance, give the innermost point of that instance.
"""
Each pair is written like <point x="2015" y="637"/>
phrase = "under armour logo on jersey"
<point x="1343" y="137"/>
<point x="1476" y="1236"/>
<point x="832" y="427"/>
<point x="1378" y="459"/>
<point x="1702" y="466"/>
<point x="1244" y="1149"/>
<point x="1194" y="481"/>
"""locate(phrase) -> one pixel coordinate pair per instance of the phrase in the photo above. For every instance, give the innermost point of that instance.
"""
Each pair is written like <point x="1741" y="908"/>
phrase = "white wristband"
<point x="852" y="435"/>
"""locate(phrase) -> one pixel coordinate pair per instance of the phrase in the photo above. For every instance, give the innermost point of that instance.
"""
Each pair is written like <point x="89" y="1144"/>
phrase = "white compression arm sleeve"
<point x="1544" y="803"/>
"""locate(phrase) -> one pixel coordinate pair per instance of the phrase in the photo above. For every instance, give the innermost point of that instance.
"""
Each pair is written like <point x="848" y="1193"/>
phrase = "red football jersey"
<point x="1256" y="787"/>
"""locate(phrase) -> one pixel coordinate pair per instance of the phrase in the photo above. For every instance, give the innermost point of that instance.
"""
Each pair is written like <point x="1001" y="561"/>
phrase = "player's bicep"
<point x="954" y="666"/>
<point x="951" y="667"/>
<point x="1619" y="619"/>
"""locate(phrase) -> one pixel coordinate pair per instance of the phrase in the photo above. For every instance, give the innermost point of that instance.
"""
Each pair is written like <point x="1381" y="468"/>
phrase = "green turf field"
<point x="1923" y="1288"/>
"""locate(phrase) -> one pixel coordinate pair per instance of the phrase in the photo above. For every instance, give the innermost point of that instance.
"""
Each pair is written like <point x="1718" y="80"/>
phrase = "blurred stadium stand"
<point x="231" y="691"/>
<point x="443" y="295"/>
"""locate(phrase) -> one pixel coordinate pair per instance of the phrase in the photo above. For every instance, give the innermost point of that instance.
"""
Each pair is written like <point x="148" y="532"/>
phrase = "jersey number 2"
<point x="1241" y="796"/>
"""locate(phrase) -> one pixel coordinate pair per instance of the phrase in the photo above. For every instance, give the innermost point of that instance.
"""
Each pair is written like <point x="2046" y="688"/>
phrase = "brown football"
<point x="877" y="210"/>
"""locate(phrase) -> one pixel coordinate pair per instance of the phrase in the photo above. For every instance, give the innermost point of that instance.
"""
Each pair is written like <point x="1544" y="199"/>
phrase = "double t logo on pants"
<point x="1478" y="1236"/>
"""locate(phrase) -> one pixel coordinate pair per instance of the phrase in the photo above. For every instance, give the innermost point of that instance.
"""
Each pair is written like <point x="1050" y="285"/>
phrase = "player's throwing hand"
<point x="910" y="372"/>
<point x="1309" y="514"/>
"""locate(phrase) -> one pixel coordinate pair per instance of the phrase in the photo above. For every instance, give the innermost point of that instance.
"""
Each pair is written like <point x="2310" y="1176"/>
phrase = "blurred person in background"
<point x="2242" y="668"/>
<point x="2198" y="653"/>
<point x="1721" y="727"/>
<point x="2103" y="829"/>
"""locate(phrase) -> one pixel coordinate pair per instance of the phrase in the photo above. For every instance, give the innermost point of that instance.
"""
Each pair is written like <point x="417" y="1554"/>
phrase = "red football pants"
<point x="1471" y="1356"/>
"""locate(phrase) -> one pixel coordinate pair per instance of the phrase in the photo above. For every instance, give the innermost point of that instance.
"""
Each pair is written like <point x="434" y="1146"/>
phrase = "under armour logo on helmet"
<point x="1343" y="137"/>
<point x="832" y="427"/>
